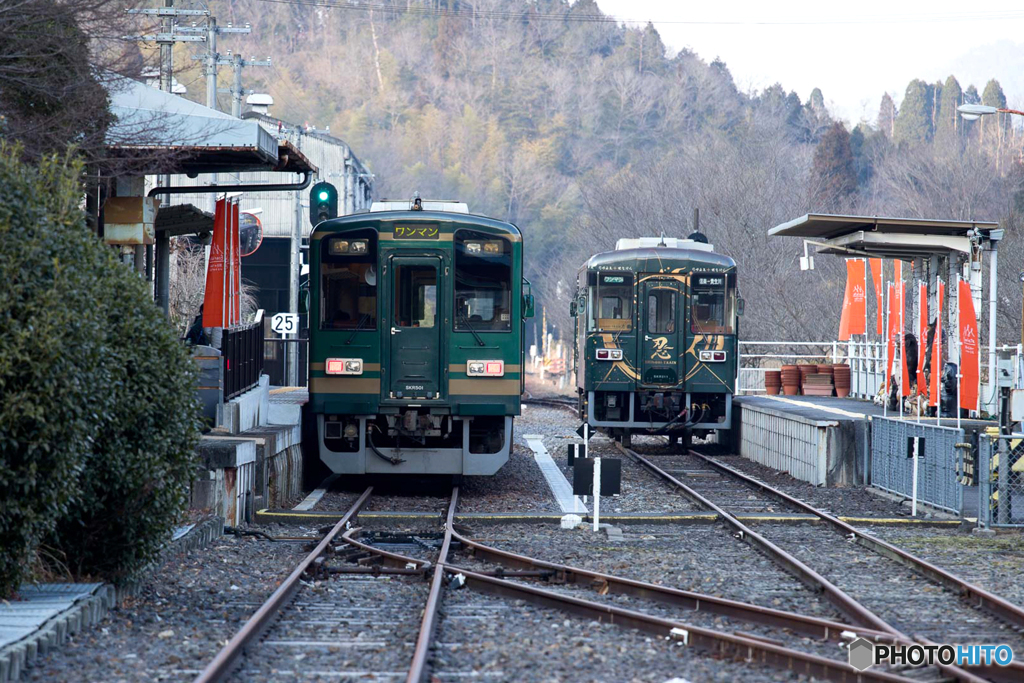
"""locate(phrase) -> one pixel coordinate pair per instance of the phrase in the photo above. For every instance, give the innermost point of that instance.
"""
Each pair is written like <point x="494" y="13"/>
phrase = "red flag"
<point x="213" y="299"/>
<point x="876" y="277"/>
<point x="922" y="338"/>
<point x="893" y="334"/>
<point x="970" y="376"/>
<point x="853" y="319"/>
<point x="937" y="345"/>
<point x="236" y="267"/>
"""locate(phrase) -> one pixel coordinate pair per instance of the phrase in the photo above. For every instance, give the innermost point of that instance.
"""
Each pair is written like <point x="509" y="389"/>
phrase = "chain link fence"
<point x="1001" y="481"/>
<point x="940" y="463"/>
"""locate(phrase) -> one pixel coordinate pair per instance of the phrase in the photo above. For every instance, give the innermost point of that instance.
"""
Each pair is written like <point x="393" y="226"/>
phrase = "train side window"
<point x="348" y="281"/>
<point x="713" y="303"/>
<point x="661" y="311"/>
<point x="483" y="282"/>
<point x="415" y="295"/>
<point x="613" y="307"/>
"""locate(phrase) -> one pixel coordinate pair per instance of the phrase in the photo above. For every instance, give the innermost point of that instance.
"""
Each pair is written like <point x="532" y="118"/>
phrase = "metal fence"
<point x="242" y="350"/>
<point x="940" y="462"/>
<point x="866" y="361"/>
<point x="1001" y="480"/>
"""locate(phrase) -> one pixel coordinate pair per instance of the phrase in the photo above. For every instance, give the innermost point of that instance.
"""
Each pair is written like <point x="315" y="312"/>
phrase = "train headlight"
<point x="609" y="354"/>
<point x="344" y="366"/>
<point x="709" y="356"/>
<point x="485" y="368"/>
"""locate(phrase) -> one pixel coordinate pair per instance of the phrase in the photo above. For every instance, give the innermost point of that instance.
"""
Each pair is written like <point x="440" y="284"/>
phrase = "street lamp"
<point x="972" y="112"/>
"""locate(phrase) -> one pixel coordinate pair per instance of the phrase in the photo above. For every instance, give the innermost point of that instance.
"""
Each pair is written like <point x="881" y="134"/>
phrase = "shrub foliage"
<point x="98" y="419"/>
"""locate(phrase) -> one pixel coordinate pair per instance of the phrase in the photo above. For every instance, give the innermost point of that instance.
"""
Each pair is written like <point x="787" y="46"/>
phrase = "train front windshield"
<point x="483" y="282"/>
<point x="713" y="303"/>
<point x="348" y="280"/>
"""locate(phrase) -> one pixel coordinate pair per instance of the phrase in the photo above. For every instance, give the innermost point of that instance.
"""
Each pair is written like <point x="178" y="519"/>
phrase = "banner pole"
<point x="960" y="349"/>
<point x="885" y="351"/>
<point x="903" y="343"/>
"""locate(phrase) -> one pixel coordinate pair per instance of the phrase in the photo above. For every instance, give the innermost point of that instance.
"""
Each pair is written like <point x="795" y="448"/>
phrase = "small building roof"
<point x="205" y="140"/>
<point x="884" y="236"/>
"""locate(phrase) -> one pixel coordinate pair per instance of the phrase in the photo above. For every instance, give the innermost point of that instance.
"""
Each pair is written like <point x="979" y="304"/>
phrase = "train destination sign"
<point x="417" y="232"/>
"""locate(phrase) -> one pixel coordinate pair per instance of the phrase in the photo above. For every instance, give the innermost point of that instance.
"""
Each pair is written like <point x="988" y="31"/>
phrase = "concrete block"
<point x="217" y="452"/>
<point x="285" y="414"/>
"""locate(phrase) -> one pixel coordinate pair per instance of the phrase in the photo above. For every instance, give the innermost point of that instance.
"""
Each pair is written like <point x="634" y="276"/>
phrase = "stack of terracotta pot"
<point x="772" y="382"/>
<point x="790" y="380"/>
<point x="841" y="374"/>
<point x="805" y="370"/>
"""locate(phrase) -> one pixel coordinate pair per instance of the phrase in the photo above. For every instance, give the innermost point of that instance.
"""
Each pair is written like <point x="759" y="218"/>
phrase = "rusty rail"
<point x="742" y="648"/>
<point x="839" y="598"/>
<point x="814" y="627"/>
<point x="997" y="606"/>
<point x="224" y="662"/>
<point x="418" y="670"/>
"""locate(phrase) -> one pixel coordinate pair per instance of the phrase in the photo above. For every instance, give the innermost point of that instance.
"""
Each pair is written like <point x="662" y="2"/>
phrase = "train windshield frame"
<point x="610" y="294"/>
<point x="483" y="282"/>
<point x="348" y="281"/>
<point x="713" y="303"/>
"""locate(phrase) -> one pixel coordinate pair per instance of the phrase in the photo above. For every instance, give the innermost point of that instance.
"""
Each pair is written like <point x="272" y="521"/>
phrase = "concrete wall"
<point x="821" y="452"/>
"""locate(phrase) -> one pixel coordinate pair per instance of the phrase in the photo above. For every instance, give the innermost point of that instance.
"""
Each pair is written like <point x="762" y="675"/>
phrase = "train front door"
<point x="661" y="326"/>
<point x="414" y="354"/>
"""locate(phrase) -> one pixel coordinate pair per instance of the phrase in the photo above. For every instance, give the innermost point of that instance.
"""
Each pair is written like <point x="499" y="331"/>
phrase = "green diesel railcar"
<point x="416" y="327"/>
<point x="656" y="338"/>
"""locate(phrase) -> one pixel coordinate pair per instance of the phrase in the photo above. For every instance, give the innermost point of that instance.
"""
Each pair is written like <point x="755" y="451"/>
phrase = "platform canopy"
<point x="194" y="138"/>
<point x="879" y="236"/>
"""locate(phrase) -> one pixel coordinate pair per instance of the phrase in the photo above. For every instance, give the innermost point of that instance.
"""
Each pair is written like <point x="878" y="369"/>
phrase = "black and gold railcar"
<point x="656" y="324"/>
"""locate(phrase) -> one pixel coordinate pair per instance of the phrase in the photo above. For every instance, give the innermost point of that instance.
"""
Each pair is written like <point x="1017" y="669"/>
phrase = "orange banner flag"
<point x="876" y="278"/>
<point x="213" y="298"/>
<point x="854" y="316"/>
<point x="937" y="345"/>
<point x="922" y="337"/>
<point x="970" y="376"/>
<point x="236" y="266"/>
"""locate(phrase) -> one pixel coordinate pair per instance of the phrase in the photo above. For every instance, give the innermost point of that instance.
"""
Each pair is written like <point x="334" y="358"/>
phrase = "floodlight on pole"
<point x="971" y="112"/>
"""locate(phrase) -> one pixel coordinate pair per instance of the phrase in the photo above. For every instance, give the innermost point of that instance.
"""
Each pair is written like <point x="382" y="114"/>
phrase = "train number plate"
<point x="417" y="232"/>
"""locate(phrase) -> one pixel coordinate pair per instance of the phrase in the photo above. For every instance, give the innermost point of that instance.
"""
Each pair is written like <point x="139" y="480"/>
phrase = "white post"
<point x="913" y="509"/>
<point x="959" y="352"/>
<point x="597" y="492"/>
<point x="885" y="352"/>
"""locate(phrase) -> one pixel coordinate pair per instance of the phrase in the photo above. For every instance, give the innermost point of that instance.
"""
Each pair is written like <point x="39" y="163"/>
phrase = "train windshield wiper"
<point x="469" y="325"/>
<point x="363" y="319"/>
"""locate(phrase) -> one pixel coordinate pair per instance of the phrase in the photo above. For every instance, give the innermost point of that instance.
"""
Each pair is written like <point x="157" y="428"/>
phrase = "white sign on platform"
<point x="285" y="323"/>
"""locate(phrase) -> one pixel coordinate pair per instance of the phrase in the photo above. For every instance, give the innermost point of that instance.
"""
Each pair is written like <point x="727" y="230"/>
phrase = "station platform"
<point x="824" y="441"/>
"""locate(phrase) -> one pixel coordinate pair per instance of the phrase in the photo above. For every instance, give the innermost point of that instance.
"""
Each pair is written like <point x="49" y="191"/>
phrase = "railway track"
<point x="871" y="582"/>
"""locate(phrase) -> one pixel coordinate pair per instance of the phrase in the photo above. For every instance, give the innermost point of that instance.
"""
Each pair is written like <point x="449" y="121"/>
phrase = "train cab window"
<point x="415" y="295"/>
<point x="611" y="297"/>
<point x="483" y="282"/>
<point x="661" y="311"/>
<point x="348" y="281"/>
<point x="713" y="303"/>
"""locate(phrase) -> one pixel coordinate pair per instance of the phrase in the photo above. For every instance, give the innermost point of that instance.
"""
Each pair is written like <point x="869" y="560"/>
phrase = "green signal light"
<point x="324" y="195"/>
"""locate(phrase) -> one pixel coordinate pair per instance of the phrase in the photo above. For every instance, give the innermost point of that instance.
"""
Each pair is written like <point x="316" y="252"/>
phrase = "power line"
<point x="572" y="17"/>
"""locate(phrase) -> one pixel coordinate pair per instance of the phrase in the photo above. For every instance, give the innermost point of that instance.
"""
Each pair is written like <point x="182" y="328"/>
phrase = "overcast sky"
<point x="854" y="52"/>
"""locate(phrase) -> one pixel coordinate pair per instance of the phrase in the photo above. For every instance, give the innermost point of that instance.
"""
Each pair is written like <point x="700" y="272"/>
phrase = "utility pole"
<point x="169" y="35"/>
<point x="213" y="59"/>
<point x="236" y="90"/>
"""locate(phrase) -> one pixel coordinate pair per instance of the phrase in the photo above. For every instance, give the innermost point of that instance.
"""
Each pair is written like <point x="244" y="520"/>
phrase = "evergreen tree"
<point x="887" y="115"/>
<point x="833" y="167"/>
<point x="947" y="120"/>
<point x="993" y="96"/>
<point x="971" y="95"/>
<point x="914" y="121"/>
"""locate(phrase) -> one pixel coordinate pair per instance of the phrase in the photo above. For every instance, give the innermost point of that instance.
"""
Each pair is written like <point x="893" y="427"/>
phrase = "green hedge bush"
<point x="98" y="417"/>
<point x="50" y="354"/>
<point x="135" y="481"/>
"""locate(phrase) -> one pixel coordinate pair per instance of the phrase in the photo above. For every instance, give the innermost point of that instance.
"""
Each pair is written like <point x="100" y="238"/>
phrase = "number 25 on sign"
<point x="285" y="323"/>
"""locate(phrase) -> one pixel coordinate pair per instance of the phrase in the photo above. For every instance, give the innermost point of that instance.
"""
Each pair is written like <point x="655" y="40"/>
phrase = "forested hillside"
<point x="581" y="130"/>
